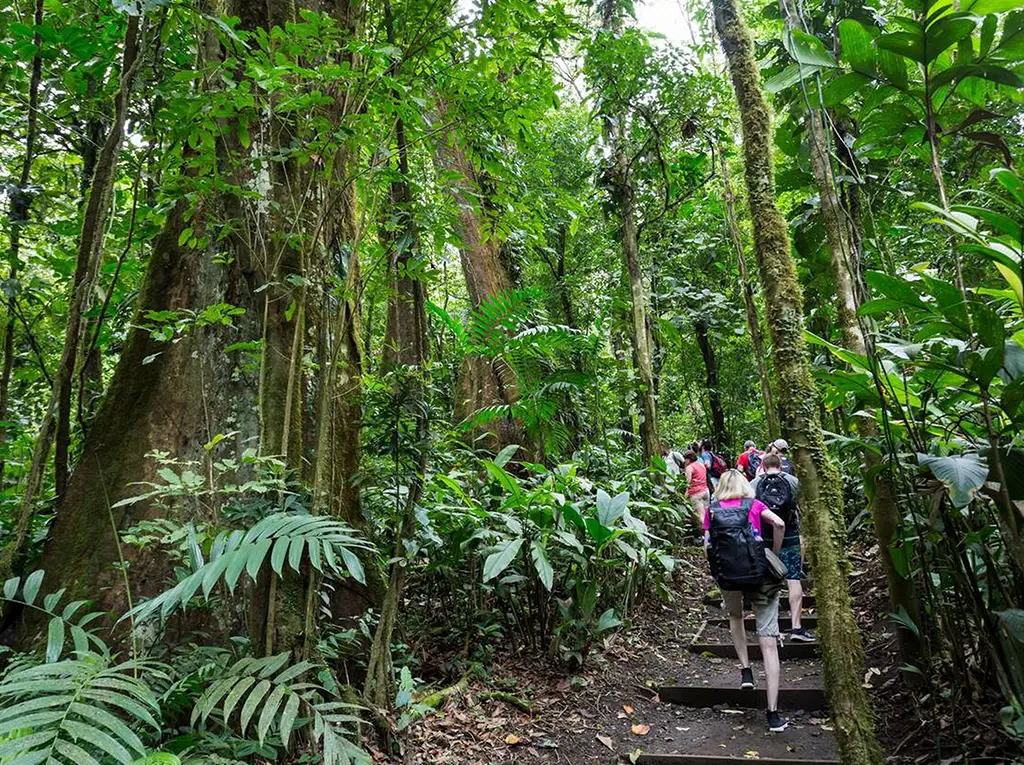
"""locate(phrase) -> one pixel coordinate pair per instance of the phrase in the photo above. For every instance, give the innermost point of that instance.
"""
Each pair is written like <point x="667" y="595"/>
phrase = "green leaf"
<point x="32" y="585"/>
<point x="1012" y="622"/>
<point x="11" y="587"/>
<point x="839" y="89"/>
<point x="506" y="454"/>
<point x="895" y="289"/>
<point x="610" y="510"/>
<point x="608" y="621"/>
<point x="288" y="717"/>
<point x="270" y="708"/>
<point x="962" y="475"/>
<point x="542" y="565"/>
<point x="54" y="639"/>
<point x="906" y="44"/>
<point x="944" y="34"/>
<point x="498" y="561"/>
<point x="789" y="76"/>
<point x="857" y="45"/>
<point x="807" y="49"/>
<point x="988" y="325"/>
<point x="252" y="702"/>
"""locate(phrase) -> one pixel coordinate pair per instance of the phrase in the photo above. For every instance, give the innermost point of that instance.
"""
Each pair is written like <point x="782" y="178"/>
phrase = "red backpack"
<point x="718" y="466"/>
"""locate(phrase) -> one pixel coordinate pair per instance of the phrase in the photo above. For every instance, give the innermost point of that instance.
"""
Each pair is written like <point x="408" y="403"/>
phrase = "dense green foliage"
<point x="259" y="490"/>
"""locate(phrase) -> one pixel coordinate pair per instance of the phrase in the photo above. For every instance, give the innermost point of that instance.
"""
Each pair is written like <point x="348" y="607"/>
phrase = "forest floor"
<point x="610" y="711"/>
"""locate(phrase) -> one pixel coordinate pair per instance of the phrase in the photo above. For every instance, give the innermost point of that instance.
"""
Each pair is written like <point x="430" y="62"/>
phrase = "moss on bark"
<point x="821" y="498"/>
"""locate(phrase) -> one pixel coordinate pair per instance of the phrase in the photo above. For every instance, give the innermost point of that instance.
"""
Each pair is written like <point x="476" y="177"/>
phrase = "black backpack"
<point x="736" y="554"/>
<point x="775" y="490"/>
<point x="753" y="463"/>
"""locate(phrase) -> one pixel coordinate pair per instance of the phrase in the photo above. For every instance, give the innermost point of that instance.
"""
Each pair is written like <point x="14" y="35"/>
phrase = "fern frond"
<point x="287" y="538"/>
<point x="75" y="712"/>
<point x="71" y="619"/>
<point x="270" y="693"/>
<point x="453" y="324"/>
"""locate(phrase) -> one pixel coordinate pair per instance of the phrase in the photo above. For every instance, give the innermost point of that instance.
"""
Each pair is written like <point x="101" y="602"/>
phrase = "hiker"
<point x="673" y="461"/>
<point x="697" y="490"/>
<point x="736" y="552"/>
<point x="712" y="462"/>
<point x="778" y="490"/>
<point x="779" y="446"/>
<point x="748" y="462"/>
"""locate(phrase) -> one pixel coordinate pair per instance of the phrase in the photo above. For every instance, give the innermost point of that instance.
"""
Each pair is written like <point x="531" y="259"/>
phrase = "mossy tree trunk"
<point x="821" y="496"/>
<point x="841" y="237"/>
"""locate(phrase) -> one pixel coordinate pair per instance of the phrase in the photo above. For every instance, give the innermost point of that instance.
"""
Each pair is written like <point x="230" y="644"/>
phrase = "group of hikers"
<point x="749" y="518"/>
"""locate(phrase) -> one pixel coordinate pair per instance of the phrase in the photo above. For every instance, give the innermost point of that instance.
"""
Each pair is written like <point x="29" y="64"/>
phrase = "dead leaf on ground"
<point x="640" y="729"/>
<point x="606" y="741"/>
<point x="750" y="753"/>
<point x="635" y="755"/>
<point x="512" y="739"/>
<point x="627" y="709"/>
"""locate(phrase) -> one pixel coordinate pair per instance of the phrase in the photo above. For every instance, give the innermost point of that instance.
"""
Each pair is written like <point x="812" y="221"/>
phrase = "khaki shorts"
<point x="700" y="503"/>
<point x="766" y="610"/>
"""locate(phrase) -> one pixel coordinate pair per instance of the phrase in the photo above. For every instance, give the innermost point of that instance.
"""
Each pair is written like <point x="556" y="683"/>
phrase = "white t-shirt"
<point x="674" y="463"/>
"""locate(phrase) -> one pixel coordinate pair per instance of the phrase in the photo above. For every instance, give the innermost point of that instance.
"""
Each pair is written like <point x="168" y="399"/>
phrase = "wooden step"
<point x="791" y="650"/>
<point x="711" y="759"/>
<point x="810" y="699"/>
<point x="809" y="602"/>
<point x="785" y="623"/>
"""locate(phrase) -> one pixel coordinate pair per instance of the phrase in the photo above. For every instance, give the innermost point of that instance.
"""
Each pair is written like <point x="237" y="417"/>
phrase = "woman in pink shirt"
<point x="697" y="490"/>
<point x="734" y="491"/>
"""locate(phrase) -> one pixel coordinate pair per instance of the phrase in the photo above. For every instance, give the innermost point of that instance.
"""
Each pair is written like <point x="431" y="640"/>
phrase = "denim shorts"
<point x="790" y="555"/>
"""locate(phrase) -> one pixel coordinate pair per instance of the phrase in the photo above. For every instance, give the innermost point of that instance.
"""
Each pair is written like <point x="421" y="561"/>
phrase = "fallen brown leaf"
<point x="640" y="729"/>
<point x="512" y="739"/>
<point x="606" y="741"/>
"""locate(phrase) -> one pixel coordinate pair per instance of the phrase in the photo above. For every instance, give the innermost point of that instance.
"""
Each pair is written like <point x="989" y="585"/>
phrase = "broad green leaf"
<point x="543" y="566"/>
<point x="506" y="454"/>
<point x="251" y="704"/>
<point x="270" y="707"/>
<point x="499" y="560"/>
<point x="905" y="44"/>
<point x="837" y="90"/>
<point x="944" y="34"/>
<point x="856" y="44"/>
<point x="807" y="49"/>
<point x="608" y="621"/>
<point x="962" y="475"/>
<point x="32" y="585"/>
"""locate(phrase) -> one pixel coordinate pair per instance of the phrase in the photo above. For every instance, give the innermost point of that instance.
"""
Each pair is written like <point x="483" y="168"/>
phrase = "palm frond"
<point x="71" y="619"/>
<point x="76" y="712"/>
<point x="284" y="538"/>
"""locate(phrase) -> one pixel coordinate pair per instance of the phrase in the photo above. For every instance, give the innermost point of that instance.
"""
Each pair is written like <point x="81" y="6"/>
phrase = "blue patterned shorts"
<point x="790" y="555"/>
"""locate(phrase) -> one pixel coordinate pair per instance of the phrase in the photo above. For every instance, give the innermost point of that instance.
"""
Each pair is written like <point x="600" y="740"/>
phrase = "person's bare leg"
<point x="770" y="655"/>
<point x="734" y="602"/>
<point x="796" y="600"/>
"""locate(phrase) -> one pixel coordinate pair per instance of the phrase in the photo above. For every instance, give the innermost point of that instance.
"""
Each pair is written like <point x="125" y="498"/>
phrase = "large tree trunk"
<point x="821" y="496"/>
<point x="771" y="415"/>
<point x="719" y="435"/>
<point x="164" y="397"/>
<point x="844" y="263"/>
<point x="620" y="183"/>
<point x="56" y="421"/>
<point x="484" y="381"/>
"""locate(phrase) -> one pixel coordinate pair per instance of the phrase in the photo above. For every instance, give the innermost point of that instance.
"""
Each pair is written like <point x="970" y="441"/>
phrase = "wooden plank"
<point x="791" y="650"/>
<point x="711" y="759"/>
<point x="810" y="699"/>
<point x="785" y="623"/>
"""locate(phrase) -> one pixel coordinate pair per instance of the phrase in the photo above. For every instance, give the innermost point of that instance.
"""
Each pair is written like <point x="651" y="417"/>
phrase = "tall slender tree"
<point x="618" y="177"/>
<point x="821" y="497"/>
<point x="841" y="238"/>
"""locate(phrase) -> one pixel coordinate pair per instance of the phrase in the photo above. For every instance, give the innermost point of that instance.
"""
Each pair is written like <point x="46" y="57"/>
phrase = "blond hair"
<point x="733" y="485"/>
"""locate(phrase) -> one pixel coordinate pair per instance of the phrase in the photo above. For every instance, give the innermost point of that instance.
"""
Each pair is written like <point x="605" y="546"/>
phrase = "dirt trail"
<point x="620" y="708"/>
